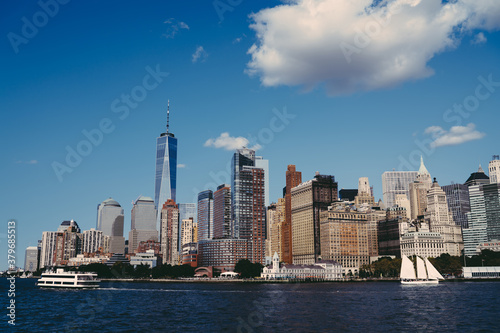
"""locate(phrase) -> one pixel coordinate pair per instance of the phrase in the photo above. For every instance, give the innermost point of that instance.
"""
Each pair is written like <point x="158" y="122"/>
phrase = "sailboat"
<point x="426" y="272"/>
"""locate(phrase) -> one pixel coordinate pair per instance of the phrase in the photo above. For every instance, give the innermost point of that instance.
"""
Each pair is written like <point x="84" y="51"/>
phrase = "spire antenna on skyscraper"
<point x="168" y="114"/>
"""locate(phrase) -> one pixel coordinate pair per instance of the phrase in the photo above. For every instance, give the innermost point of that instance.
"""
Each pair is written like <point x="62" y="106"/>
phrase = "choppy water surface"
<point x="242" y="307"/>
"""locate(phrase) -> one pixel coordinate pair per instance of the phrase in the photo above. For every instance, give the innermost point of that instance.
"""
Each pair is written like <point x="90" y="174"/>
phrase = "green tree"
<point x="247" y="269"/>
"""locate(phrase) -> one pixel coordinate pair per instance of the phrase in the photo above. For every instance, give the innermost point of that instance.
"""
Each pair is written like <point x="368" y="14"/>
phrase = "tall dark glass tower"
<point x="166" y="168"/>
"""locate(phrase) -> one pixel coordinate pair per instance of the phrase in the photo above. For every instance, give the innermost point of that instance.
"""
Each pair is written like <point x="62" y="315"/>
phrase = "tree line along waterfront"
<point x="385" y="267"/>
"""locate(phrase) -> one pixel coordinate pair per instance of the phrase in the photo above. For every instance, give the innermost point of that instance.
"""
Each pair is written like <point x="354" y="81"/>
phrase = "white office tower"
<point x="440" y="220"/>
<point x="394" y="183"/>
<point x="364" y="186"/>
<point x="494" y="169"/>
<point x="110" y="221"/>
<point x="143" y="223"/>
<point x="402" y="201"/>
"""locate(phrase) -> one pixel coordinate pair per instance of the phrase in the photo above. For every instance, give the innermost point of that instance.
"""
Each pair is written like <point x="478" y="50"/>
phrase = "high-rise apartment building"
<point x="494" y="169"/>
<point x="222" y="212"/>
<point x="484" y="217"/>
<point x="169" y="232"/>
<point x="293" y="178"/>
<point x="189" y="232"/>
<point x="308" y="200"/>
<point x="59" y="246"/>
<point x="110" y="221"/>
<point x="186" y="211"/>
<point x="248" y="211"/>
<point x="92" y="241"/>
<point x="396" y="182"/>
<point x="166" y="168"/>
<point x="143" y="223"/>
<point x="205" y="215"/>
<point x="440" y="220"/>
<point x="457" y="196"/>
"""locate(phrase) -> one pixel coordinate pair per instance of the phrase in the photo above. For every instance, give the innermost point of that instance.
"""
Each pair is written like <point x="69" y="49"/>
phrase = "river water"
<point x="253" y="307"/>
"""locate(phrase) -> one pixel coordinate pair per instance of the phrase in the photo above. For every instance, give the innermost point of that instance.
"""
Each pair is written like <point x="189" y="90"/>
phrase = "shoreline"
<point x="216" y="280"/>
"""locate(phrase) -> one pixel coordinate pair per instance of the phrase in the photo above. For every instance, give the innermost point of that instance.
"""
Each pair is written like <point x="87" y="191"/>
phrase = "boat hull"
<point x="47" y="286"/>
<point x="420" y="282"/>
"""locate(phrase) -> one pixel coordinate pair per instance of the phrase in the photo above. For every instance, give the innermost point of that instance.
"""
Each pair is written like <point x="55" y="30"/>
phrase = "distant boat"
<point x="62" y="279"/>
<point x="426" y="272"/>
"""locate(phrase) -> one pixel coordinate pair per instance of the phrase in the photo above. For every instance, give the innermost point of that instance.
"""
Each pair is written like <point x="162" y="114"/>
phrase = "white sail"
<point x="433" y="272"/>
<point x="421" y="273"/>
<point x="407" y="270"/>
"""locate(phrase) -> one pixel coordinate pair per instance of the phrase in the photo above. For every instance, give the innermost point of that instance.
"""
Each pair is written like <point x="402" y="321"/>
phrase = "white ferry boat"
<point x="62" y="279"/>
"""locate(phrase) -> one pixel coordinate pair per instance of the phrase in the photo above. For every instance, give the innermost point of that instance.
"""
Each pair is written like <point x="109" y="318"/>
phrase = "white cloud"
<point x="455" y="136"/>
<point x="229" y="142"/>
<point x="239" y="39"/>
<point x="479" y="39"/>
<point x="181" y="166"/>
<point x="350" y="46"/>
<point x="199" y="55"/>
<point x="173" y="27"/>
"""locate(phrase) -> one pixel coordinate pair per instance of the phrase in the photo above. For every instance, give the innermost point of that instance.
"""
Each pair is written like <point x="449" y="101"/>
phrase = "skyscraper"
<point x="31" y="259"/>
<point x="293" y="178"/>
<point x="92" y="240"/>
<point x="169" y="232"/>
<point x="484" y="217"/>
<point x="166" y="168"/>
<point x="186" y="211"/>
<point x="396" y="182"/>
<point x="110" y="220"/>
<point x="143" y="223"/>
<point x="222" y="212"/>
<point x="477" y="178"/>
<point x="494" y="169"/>
<point x="205" y="215"/>
<point x="260" y="162"/>
<point x="247" y="199"/>
<point x="239" y="202"/>
<point x="309" y="199"/>
<point x="440" y="220"/>
<point x="457" y="196"/>
<point x="418" y="191"/>
<point x="189" y="232"/>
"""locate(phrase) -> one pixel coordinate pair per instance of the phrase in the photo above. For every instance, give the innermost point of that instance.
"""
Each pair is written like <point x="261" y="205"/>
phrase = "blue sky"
<point x="346" y="89"/>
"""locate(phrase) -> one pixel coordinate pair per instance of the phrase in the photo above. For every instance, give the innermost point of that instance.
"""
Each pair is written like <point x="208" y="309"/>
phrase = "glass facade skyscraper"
<point x="166" y="170"/>
<point x="457" y="196"/>
<point x="396" y="182"/>
<point x="205" y="215"/>
<point x="484" y="217"/>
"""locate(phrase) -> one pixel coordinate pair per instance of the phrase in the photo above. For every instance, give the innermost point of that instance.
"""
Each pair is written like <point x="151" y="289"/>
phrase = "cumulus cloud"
<point x="350" y="46"/>
<point x="181" y="166"/>
<point x="174" y="27"/>
<point x="228" y="142"/>
<point x="199" y="55"/>
<point x="455" y="136"/>
<point x="479" y="39"/>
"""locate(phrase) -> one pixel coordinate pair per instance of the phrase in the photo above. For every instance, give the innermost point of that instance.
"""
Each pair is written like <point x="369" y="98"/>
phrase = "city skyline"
<point x="65" y="92"/>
